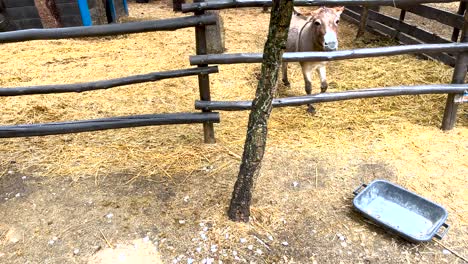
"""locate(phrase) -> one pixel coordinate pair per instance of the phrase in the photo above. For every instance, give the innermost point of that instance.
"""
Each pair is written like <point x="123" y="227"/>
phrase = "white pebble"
<point x="202" y="224"/>
<point x="55" y="238"/>
<point x="198" y="249"/>
<point x="18" y="195"/>
<point x="109" y="215"/>
<point x="445" y="252"/>
<point x="250" y="247"/>
<point x="190" y="260"/>
<point x="205" y="229"/>
<point x="24" y="177"/>
<point x="284" y="243"/>
<point x="186" y="198"/>
<point x="234" y="253"/>
<point x="10" y="172"/>
<point x="270" y="237"/>
<point x="226" y="236"/>
<point x="243" y="240"/>
<point x="295" y="184"/>
<point x="344" y="244"/>
<point x="207" y="261"/>
<point x="181" y="222"/>
<point x="203" y="236"/>
<point x="214" y="248"/>
<point x="259" y="251"/>
<point x="51" y="242"/>
<point x="76" y="251"/>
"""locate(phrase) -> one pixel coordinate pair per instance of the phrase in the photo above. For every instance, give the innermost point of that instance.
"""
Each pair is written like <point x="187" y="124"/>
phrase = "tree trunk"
<point x="49" y="13"/>
<point x="254" y="147"/>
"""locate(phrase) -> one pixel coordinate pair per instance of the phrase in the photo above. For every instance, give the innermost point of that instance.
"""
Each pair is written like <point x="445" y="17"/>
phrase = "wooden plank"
<point x="68" y="9"/>
<point x="25" y="12"/>
<point x="337" y="96"/>
<point x="316" y="56"/>
<point x="57" y="128"/>
<point x="107" y="30"/>
<point x="414" y="31"/>
<point x="381" y="29"/>
<point x="71" y="21"/>
<point x="18" y="3"/>
<point x="106" y="84"/>
<point x="224" y="4"/>
<point x="442" y="16"/>
<point x="24" y="24"/>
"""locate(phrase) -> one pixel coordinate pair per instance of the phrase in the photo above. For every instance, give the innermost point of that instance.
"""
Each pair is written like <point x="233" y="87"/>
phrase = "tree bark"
<point x="254" y="147"/>
<point x="49" y="13"/>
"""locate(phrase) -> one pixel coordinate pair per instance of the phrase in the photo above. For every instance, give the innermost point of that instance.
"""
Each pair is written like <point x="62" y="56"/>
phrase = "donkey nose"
<point x="331" y="45"/>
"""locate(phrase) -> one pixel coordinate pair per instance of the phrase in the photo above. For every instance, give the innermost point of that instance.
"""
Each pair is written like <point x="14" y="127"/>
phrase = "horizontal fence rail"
<point x="381" y="29"/>
<point x="192" y="7"/>
<point x="107" y="30"/>
<point x="106" y="123"/>
<point x="338" y="96"/>
<point x="439" y="15"/>
<point x="106" y="84"/>
<point x="403" y="27"/>
<point x="330" y="55"/>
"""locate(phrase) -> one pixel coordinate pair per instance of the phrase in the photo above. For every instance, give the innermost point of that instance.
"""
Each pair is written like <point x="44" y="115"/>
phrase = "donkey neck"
<point x="307" y="40"/>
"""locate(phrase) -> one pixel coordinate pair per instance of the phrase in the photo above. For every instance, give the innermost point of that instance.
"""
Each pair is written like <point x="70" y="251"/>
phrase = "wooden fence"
<point x="441" y="49"/>
<point x="406" y="33"/>
<point x="28" y="130"/>
<point x="200" y="20"/>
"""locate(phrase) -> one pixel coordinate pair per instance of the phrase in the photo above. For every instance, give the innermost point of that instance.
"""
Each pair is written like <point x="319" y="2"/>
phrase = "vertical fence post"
<point x="204" y="79"/>
<point x="459" y="74"/>
<point x="177" y="5"/>
<point x="402" y="15"/>
<point x="461" y="11"/>
<point x="363" y="22"/>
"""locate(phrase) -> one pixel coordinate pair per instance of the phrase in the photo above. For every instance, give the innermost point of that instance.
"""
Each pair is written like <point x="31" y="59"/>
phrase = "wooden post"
<point x="204" y="79"/>
<point x="254" y="147"/>
<point x="461" y="11"/>
<point x="49" y="13"/>
<point x="363" y="23"/>
<point x="177" y="5"/>
<point x="402" y="15"/>
<point x="459" y="74"/>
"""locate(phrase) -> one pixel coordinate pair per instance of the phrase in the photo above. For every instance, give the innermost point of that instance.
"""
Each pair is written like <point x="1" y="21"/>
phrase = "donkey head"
<point x="324" y="25"/>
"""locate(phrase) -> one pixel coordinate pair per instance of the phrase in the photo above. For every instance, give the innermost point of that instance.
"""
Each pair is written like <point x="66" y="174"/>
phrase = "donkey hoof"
<point x="311" y="110"/>
<point x="286" y="83"/>
<point x="323" y="88"/>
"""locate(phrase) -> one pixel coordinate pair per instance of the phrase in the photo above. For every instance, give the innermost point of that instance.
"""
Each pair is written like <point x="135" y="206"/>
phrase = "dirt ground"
<point x="159" y="195"/>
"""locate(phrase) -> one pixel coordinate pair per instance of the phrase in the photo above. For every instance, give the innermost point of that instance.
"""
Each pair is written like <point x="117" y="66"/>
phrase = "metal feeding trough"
<point x="406" y="213"/>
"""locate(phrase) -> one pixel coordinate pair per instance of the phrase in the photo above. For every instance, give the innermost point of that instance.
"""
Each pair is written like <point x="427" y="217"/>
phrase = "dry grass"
<point x="326" y="151"/>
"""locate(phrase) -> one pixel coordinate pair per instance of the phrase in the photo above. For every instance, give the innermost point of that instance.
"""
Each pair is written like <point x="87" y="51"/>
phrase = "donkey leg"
<point x="284" y="68"/>
<point x="323" y="79"/>
<point x="307" y="69"/>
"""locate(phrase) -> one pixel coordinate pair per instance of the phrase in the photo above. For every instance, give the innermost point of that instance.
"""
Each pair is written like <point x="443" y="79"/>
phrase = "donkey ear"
<point x="339" y="10"/>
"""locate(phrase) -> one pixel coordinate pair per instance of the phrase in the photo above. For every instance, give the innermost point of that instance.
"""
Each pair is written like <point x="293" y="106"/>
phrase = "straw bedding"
<point x="401" y="131"/>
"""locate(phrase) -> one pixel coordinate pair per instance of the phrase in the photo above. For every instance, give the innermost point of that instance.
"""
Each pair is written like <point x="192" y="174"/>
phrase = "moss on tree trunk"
<point x="254" y="147"/>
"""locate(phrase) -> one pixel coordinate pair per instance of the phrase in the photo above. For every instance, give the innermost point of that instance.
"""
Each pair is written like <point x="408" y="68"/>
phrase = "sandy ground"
<point x="157" y="194"/>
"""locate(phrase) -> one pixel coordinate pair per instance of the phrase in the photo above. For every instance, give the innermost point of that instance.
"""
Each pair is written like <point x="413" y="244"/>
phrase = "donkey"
<point x="315" y="31"/>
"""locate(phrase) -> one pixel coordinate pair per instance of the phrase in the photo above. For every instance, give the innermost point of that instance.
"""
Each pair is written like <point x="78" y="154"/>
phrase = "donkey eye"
<point x="337" y="21"/>
<point x="317" y="23"/>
